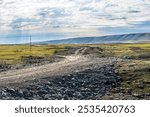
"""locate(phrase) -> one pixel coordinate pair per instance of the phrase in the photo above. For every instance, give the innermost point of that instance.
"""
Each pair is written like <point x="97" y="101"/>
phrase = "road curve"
<point x="71" y="63"/>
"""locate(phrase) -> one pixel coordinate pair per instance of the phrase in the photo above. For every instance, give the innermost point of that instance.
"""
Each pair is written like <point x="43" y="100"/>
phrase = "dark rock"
<point x="138" y="95"/>
<point x="80" y="85"/>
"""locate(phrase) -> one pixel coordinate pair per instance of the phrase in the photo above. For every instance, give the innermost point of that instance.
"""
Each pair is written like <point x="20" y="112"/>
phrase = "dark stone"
<point x="80" y="85"/>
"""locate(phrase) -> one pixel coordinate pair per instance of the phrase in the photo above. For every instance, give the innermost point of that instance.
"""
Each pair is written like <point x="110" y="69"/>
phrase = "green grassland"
<point x="13" y="54"/>
<point x="134" y="51"/>
<point x="135" y="73"/>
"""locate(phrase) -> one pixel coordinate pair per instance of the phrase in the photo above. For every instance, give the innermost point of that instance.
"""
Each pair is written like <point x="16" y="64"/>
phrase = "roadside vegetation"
<point x="135" y="76"/>
<point x="16" y="54"/>
<point x="130" y="51"/>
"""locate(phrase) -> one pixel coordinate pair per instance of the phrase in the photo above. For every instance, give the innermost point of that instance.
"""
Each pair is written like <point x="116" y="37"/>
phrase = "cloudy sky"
<point x="59" y="19"/>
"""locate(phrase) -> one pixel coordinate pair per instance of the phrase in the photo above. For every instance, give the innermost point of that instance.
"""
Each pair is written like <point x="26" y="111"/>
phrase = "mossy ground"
<point x="135" y="75"/>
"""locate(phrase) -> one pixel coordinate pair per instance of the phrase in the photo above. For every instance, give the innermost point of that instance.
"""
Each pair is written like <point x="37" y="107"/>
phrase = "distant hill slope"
<point x="124" y="38"/>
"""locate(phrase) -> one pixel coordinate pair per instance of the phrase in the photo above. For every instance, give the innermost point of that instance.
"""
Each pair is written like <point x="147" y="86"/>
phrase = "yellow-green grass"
<point x="126" y="50"/>
<point x="12" y="54"/>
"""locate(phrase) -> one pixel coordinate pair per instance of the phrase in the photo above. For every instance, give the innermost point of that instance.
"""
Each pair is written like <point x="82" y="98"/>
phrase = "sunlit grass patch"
<point x="13" y="54"/>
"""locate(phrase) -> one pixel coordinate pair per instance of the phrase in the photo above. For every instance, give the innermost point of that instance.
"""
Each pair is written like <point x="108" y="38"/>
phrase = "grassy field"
<point x="13" y="54"/>
<point x="134" y="51"/>
<point x="135" y="73"/>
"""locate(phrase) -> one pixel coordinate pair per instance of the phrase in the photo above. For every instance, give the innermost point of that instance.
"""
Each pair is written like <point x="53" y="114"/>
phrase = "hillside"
<point x="124" y="38"/>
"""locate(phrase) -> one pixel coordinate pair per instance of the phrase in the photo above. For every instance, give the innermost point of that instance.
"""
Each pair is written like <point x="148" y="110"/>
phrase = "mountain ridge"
<point x="123" y="38"/>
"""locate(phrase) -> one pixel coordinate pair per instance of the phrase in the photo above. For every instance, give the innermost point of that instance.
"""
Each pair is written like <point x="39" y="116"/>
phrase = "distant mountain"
<point x="124" y="38"/>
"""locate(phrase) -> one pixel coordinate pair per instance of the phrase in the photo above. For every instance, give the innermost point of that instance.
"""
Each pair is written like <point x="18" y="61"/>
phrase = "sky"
<point x="61" y="19"/>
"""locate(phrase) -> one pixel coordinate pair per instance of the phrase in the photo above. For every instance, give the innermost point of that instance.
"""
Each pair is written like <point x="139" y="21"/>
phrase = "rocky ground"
<point x="4" y="67"/>
<point x="88" y="84"/>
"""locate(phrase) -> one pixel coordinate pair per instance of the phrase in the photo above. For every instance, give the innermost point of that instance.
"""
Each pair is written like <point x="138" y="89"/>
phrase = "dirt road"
<point x="69" y="65"/>
<point x="78" y="76"/>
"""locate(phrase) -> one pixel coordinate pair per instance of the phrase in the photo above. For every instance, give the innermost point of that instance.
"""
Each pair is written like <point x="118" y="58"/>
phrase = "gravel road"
<point x="77" y="76"/>
<point x="71" y="63"/>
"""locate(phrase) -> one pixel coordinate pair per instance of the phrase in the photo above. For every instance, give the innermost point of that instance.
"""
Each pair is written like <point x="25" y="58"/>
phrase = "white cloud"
<point x="71" y="15"/>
